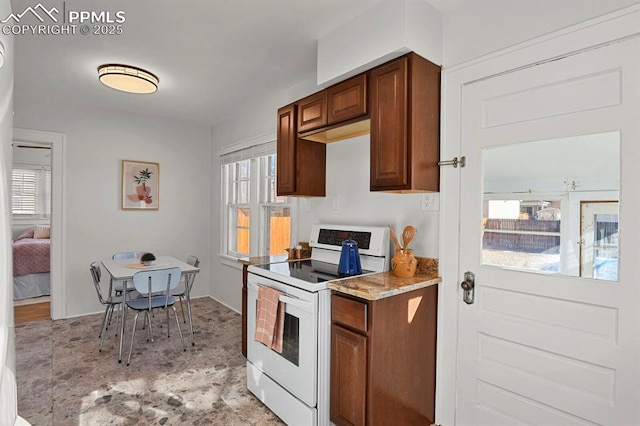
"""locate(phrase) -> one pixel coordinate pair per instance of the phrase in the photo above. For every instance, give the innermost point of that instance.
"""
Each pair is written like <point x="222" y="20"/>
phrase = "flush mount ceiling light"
<point x="127" y="78"/>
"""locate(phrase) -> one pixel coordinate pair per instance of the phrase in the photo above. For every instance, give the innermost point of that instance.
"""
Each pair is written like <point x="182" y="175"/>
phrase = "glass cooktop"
<point x="313" y="271"/>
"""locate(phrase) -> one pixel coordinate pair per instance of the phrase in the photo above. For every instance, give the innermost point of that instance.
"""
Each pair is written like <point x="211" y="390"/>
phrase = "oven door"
<point x="296" y="368"/>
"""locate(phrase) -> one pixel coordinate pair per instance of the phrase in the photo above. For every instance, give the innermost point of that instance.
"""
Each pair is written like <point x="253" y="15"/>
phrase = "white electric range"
<point x="294" y="384"/>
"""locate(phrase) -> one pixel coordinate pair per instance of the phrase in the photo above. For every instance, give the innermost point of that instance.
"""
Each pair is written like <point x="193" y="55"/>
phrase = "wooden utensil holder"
<point x="404" y="264"/>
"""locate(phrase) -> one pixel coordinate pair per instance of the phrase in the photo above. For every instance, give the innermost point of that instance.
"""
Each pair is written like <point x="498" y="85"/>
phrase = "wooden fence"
<point x="522" y="235"/>
<point x="279" y="236"/>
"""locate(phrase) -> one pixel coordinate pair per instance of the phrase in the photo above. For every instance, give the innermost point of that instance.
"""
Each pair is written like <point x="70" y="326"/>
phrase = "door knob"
<point x="468" y="287"/>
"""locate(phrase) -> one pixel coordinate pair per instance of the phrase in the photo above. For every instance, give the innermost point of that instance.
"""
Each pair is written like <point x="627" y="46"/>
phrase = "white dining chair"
<point x="183" y="291"/>
<point x="110" y="301"/>
<point x="155" y="289"/>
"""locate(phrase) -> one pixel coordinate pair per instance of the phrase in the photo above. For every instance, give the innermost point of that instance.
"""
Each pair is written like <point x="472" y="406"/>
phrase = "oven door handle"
<point x="300" y="304"/>
<point x="290" y="300"/>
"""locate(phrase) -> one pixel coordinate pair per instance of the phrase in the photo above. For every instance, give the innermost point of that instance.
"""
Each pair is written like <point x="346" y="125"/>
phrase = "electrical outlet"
<point x="307" y="205"/>
<point x="335" y="202"/>
<point x="430" y="201"/>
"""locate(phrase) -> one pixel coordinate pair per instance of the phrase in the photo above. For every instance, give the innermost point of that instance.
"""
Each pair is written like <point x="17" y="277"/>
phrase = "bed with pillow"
<point x="31" y="263"/>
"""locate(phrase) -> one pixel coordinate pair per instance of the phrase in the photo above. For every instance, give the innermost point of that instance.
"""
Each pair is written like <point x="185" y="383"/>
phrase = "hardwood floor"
<point x="32" y="311"/>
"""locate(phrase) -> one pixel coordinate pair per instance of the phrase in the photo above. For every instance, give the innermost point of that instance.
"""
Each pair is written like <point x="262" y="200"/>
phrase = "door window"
<point x="552" y="206"/>
<point x="520" y="236"/>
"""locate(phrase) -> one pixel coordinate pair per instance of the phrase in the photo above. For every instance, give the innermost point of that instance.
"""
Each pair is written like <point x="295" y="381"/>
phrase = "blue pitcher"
<point x="349" y="259"/>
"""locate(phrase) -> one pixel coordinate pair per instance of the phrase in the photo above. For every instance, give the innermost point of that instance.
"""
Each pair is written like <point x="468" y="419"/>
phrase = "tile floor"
<point x="64" y="380"/>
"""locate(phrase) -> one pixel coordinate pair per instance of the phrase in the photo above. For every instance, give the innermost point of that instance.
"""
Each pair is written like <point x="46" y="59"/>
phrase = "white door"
<point x="539" y="346"/>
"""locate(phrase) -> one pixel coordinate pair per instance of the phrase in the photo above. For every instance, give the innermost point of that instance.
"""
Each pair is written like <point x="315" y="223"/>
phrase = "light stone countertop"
<point x="259" y="260"/>
<point x="373" y="286"/>
<point x="382" y="284"/>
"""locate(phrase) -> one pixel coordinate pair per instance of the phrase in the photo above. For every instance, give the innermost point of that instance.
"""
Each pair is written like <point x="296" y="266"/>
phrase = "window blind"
<point x="254" y="151"/>
<point x="31" y="191"/>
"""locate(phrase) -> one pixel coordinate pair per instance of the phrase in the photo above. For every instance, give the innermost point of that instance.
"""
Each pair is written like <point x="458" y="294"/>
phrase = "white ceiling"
<point x="215" y="56"/>
<point x="211" y="56"/>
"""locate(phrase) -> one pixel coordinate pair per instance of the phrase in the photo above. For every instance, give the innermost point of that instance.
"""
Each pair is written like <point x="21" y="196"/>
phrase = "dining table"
<point x="122" y="270"/>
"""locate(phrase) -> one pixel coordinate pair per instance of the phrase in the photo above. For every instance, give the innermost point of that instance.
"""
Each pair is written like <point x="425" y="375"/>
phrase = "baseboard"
<point x="224" y="304"/>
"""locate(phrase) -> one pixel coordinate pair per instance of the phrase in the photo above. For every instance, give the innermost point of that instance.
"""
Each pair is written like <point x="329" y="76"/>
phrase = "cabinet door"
<point x="347" y="100"/>
<point x="286" y="150"/>
<point x="348" y="377"/>
<point x="390" y="161"/>
<point x="312" y="112"/>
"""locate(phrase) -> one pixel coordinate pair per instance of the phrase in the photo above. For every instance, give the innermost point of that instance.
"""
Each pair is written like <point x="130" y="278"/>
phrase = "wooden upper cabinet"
<point x="312" y="112"/>
<point x="300" y="165"/>
<point x="286" y="150"/>
<point x="405" y="125"/>
<point x="398" y="103"/>
<point x="336" y="113"/>
<point x="389" y="147"/>
<point x="347" y="100"/>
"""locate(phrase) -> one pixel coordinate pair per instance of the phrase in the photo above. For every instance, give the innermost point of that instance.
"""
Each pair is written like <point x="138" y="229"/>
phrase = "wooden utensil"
<point x="394" y="238"/>
<point x="407" y="235"/>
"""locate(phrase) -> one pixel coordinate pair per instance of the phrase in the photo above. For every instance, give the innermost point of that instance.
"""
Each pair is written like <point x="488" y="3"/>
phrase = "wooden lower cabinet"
<point x="383" y="364"/>
<point x="348" y="376"/>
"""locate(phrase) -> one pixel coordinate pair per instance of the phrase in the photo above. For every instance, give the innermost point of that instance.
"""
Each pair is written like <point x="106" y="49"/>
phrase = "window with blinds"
<point x="31" y="191"/>
<point x="257" y="221"/>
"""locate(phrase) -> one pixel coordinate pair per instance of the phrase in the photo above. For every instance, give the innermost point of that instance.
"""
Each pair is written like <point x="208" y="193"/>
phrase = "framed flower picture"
<point x="140" y="182"/>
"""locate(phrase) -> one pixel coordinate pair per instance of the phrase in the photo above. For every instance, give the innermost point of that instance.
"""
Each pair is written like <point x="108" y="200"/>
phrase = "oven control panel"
<point x="335" y="237"/>
<point x="326" y="239"/>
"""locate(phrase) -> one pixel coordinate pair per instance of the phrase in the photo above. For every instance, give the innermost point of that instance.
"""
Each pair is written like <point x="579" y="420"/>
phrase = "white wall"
<point x="383" y="32"/>
<point x="348" y="180"/>
<point x="8" y="394"/>
<point x="32" y="155"/>
<point x="94" y="224"/>
<point x="256" y="119"/>
<point x="482" y="27"/>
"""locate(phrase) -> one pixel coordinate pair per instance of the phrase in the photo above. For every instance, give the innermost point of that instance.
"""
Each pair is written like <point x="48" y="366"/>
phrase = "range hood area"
<point x="339" y="132"/>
